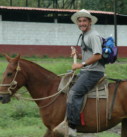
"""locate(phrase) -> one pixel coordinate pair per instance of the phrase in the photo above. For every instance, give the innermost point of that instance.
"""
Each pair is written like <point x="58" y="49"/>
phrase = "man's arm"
<point x="94" y="58"/>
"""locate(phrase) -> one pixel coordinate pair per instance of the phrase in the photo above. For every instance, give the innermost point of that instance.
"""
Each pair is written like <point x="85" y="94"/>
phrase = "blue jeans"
<point x="86" y="81"/>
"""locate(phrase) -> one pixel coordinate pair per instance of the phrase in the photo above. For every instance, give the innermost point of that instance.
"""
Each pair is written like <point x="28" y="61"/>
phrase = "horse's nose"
<point x="5" y="98"/>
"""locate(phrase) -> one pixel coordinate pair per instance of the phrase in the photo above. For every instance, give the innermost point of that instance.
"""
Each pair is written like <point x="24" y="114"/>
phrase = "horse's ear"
<point x="7" y="57"/>
<point x="16" y="59"/>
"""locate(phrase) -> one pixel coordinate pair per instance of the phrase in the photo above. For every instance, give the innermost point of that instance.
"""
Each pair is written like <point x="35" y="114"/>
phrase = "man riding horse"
<point x="91" y="69"/>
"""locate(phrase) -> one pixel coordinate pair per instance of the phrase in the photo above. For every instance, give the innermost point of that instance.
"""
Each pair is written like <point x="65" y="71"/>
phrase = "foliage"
<point x="105" y="5"/>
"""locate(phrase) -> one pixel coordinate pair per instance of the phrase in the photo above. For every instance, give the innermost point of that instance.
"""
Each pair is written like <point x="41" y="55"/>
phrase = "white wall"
<point x="29" y="33"/>
<point x="1" y="39"/>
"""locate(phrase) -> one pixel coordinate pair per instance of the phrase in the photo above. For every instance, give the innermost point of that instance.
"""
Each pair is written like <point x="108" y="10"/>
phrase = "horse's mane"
<point x="35" y="65"/>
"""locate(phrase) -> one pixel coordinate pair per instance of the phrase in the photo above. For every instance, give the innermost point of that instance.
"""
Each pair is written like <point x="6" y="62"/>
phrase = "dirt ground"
<point x="116" y="129"/>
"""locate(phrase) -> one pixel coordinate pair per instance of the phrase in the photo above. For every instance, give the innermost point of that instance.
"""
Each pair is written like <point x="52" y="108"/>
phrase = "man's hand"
<point x="77" y="66"/>
<point x="73" y="52"/>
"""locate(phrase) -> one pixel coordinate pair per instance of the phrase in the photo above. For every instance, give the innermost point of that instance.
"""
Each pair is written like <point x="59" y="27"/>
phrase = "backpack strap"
<point x="79" y="39"/>
<point x="85" y="47"/>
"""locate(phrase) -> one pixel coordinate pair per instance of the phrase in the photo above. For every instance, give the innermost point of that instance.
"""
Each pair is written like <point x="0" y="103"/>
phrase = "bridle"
<point x="12" y="85"/>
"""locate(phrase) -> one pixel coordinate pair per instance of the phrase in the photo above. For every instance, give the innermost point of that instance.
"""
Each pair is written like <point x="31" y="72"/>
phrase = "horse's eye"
<point x="9" y="74"/>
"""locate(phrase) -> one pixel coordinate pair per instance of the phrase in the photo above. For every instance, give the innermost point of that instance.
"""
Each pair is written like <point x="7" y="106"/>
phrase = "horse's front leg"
<point x="124" y="128"/>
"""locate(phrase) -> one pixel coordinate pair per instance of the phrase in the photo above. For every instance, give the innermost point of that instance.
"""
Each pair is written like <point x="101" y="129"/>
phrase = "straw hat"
<point x="83" y="13"/>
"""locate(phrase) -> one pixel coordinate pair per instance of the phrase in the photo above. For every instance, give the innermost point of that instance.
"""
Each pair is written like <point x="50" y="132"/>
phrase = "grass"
<point x="106" y="134"/>
<point x="21" y="118"/>
<point x="118" y="71"/>
<point x="26" y="131"/>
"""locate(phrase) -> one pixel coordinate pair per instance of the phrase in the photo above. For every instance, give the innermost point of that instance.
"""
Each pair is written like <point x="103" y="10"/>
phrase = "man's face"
<point x="84" y="23"/>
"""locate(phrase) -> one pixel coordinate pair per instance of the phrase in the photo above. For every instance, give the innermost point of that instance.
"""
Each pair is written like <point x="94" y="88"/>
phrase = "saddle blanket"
<point x="99" y="90"/>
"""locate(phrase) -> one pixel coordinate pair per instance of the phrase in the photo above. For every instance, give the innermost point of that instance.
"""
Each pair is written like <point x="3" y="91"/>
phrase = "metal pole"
<point x="115" y="21"/>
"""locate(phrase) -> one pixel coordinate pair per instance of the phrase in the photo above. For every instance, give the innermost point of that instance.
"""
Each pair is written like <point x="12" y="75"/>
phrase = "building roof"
<point x="35" y="14"/>
<point x="51" y="10"/>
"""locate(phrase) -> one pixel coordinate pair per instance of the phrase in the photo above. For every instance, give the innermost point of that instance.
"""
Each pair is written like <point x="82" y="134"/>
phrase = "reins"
<point x="53" y="95"/>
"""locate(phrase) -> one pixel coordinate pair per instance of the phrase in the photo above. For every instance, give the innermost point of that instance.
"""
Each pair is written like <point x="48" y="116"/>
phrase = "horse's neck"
<point x="42" y="83"/>
<point x="39" y="81"/>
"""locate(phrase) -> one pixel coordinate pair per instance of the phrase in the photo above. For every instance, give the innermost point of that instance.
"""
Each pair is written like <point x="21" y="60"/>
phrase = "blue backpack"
<point x="109" y="50"/>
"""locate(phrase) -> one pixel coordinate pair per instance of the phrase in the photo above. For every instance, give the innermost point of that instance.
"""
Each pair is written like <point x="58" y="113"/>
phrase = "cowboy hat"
<point x="83" y="13"/>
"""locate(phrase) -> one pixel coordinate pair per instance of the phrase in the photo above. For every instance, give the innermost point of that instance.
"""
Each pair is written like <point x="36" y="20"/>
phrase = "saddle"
<point x="68" y="80"/>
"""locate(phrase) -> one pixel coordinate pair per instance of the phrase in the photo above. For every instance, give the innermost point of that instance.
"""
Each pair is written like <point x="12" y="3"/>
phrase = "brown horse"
<point x="42" y="83"/>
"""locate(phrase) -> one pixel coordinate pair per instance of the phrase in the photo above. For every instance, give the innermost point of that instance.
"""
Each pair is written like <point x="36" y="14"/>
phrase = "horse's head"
<point x="10" y="79"/>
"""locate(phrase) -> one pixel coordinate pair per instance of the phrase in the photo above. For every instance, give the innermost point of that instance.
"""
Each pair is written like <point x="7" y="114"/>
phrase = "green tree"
<point x="103" y="5"/>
